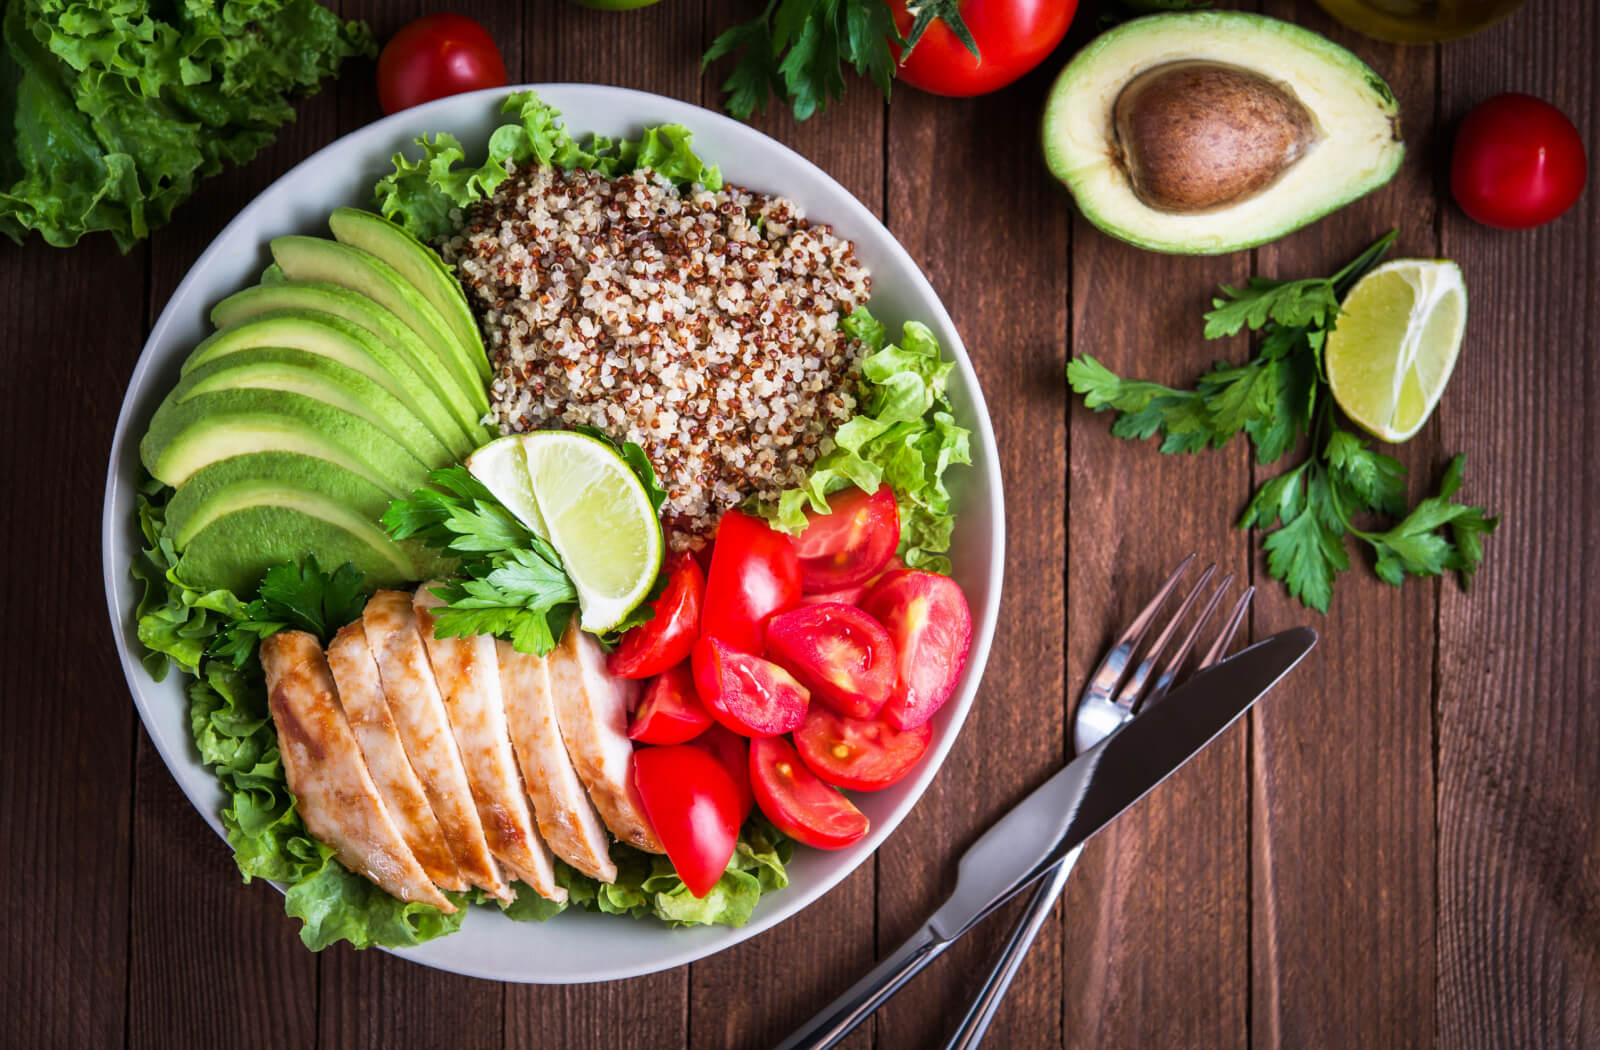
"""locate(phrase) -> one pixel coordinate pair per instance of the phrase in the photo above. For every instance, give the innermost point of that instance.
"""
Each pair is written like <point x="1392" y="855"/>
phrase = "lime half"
<point x="599" y="519"/>
<point x="1395" y="345"/>
<point x="504" y="472"/>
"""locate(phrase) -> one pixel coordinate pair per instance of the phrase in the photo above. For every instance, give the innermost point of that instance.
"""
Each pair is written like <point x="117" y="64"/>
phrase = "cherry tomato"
<point x="435" y="56"/>
<point x="733" y="751"/>
<point x="847" y="546"/>
<point x="848" y="596"/>
<point x="694" y="806"/>
<point x="799" y="804"/>
<point x="1518" y="163"/>
<point x="839" y="653"/>
<point x="927" y="618"/>
<point x="664" y="640"/>
<point x="1012" y="36"/>
<point x="856" y="753"/>
<point x="754" y="573"/>
<point x="670" y="712"/>
<point x="749" y="695"/>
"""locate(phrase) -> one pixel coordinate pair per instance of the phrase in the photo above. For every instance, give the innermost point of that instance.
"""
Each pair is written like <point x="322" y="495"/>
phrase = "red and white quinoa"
<point x="701" y="325"/>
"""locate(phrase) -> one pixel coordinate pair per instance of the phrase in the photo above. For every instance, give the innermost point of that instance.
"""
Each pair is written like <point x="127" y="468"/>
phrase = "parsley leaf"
<point x="300" y="597"/>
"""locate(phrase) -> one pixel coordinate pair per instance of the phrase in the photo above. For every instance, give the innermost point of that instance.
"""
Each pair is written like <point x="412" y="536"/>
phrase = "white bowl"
<point x="575" y="946"/>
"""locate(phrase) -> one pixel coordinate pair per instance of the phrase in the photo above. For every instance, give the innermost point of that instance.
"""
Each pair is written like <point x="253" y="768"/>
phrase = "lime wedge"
<point x="504" y="472"/>
<point x="1395" y="345"/>
<point x="599" y="519"/>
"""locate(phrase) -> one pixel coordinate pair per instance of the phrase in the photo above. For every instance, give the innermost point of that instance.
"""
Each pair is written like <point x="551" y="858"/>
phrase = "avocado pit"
<point x="1194" y="136"/>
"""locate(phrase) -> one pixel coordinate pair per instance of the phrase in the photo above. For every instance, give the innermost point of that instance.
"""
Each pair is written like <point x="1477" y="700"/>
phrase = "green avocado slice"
<point x="420" y="265"/>
<point x="347" y="344"/>
<point x="197" y="502"/>
<point x="321" y="379"/>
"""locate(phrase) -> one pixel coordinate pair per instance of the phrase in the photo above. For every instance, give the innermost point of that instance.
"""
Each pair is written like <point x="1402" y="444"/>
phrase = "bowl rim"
<point x="122" y="592"/>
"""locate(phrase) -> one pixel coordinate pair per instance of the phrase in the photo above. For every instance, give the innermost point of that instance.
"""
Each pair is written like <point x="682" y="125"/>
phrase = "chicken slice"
<point x="566" y="816"/>
<point x="419" y="715"/>
<point x="469" y="680"/>
<point x="361" y="694"/>
<point x="592" y="709"/>
<point x="335" y="795"/>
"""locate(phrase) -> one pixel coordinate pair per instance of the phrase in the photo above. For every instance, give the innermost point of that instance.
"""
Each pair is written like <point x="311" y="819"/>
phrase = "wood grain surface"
<point x="1401" y="848"/>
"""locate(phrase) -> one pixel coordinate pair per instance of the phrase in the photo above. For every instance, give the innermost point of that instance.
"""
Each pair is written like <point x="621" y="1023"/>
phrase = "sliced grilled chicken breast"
<point x="419" y="715"/>
<point x="566" y="816"/>
<point x="322" y="761"/>
<point x="592" y="709"/>
<point x="361" y="695"/>
<point x="468" y="674"/>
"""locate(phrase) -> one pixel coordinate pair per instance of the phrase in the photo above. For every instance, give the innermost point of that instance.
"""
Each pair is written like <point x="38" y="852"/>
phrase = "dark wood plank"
<point x="1519" y="676"/>
<point x="1342" y="784"/>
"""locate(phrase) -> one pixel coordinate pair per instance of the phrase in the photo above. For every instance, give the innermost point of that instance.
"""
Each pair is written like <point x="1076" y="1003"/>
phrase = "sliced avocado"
<point x="322" y="379"/>
<point x="254" y="525"/>
<point x="1210" y="131"/>
<point x="187" y="435"/>
<point x="319" y="259"/>
<point x="420" y="265"/>
<point x="199" y="500"/>
<point x="348" y="344"/>
<point x="467" y="404"/>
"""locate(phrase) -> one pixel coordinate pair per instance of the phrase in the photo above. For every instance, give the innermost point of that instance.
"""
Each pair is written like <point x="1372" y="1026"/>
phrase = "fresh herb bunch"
<point x="1276" y="398"/>
<point x="797" y="50"/>
<point x="299" y="597"/>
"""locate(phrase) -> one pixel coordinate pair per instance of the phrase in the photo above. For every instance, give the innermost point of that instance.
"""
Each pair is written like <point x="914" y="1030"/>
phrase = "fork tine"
<point x="1229" y="627"/>
<point x="1128" y="697"/>
<point x="1169" y="672"/>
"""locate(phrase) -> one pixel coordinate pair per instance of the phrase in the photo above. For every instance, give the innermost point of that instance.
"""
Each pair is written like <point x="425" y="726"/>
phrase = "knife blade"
<point x="1065" y="811"/>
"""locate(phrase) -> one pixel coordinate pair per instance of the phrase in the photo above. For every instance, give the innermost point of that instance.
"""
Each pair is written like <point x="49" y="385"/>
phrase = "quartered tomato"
<point x="846" y="546"/>
<point x="733" y="751"/>
<point x="694" y="807"/>
<point x="749" y="695"/>
<point x="1012" y="36"/>
<point x="754" y="573"/>
<point x="799" y="804"/>
<point x="839" y="653"/>
<point x="670" y="712"/>
<point x="856" y="753"/>
<point x="665" y="639"/>
<point x="434" y="56"/>
<point x="927" y="618"/>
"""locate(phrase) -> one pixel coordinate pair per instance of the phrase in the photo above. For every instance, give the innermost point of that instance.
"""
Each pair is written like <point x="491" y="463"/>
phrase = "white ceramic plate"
<point x="575" y="946"/>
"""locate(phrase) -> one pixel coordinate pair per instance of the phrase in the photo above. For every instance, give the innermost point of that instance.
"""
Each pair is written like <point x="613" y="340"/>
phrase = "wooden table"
<point x="1400" y="848"/>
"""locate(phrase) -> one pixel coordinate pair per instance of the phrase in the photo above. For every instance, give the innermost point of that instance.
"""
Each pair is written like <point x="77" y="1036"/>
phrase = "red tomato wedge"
<point x="860" y="754"/>
<point x="799" y="804"/>
<point x="694" y="806"/>
<point x="845" y="547"/>
<point x="749" y="695"/>
<point x="754" y="573"/>
<point x="842" y="655"/>
<point x="665" y="639"/>
<point x="671" y="712"/>
<point x="927" y="618"/>
<point x="733" y="751"/>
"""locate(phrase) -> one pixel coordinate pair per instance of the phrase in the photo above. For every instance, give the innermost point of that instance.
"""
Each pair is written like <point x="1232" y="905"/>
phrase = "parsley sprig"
<point x="300" y="597"/>
<point x="1277" y="398"/>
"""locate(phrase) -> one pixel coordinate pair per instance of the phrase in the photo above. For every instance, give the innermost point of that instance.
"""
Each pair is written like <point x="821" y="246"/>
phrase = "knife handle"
<point x="1034" y="914"/>
<point x="838" y="1018"/>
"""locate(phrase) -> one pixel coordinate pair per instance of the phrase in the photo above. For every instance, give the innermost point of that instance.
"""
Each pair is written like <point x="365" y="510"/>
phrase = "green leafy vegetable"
<point x="905" y="435"/>
<point x="420" y="194"/>
<point x="1276" y="398"/>
<point x="293" y="596"/>
<point x="113" y="111"/>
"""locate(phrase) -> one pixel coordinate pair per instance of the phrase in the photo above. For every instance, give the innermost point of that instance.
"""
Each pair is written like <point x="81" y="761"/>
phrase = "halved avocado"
<point x="187" y="435"/>
<point x="467" y="404"/>
<point x="1210" y="131"/>
<point x="347" y="344"/>
<point x="420" y="265"/>
<point x="319" y="259"/>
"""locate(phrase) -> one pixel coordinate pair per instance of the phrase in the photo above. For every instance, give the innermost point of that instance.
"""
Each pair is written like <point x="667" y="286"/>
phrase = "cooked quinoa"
<point x="702" y="325"/>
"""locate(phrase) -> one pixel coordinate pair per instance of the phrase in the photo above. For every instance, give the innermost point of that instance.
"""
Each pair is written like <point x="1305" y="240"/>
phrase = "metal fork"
<point x="1112" y="697"/>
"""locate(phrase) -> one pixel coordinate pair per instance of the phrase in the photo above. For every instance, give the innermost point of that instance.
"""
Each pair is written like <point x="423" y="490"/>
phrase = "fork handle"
<point x="973" y="1026"/>
<point x="840" y="1017"/>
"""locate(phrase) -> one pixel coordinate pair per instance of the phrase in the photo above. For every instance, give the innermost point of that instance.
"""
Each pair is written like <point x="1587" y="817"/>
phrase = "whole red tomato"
<point x="435" y="56"/>
<point x="1012" y="36"/>
<point x="1518" y="163"/>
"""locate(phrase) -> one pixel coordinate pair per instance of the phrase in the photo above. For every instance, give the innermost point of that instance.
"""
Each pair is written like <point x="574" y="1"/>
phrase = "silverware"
<point x="1108" y="701"/>
<point x="1056" y="820"/>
